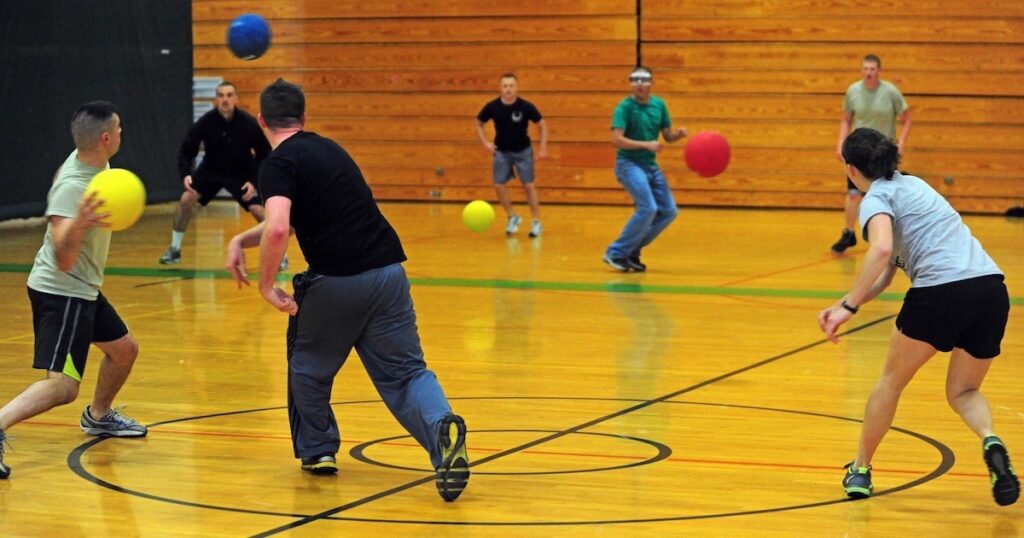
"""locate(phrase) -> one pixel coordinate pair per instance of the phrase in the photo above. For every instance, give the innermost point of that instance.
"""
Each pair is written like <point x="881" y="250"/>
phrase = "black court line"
<point x="398" y="489"/>
<point x="946" y="463"/>
<point x="358" y="453"/>
<point x="161" y="282"/>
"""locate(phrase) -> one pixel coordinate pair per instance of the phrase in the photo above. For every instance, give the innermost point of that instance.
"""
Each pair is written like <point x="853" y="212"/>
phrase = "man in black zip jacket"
<point x="234" y="147"/>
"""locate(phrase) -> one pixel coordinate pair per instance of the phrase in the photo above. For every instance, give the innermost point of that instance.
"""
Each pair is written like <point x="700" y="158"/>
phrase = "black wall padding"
<point x="58" y="54"/>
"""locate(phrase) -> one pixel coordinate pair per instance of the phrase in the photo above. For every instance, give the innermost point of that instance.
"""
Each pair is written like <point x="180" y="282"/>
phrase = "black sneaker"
<point x="857" y="481"/>
<point x="453" y="473"/>
<point x="113" y="424"/>
<point x="635" y="264"/>
<point x="1005" y="486"/>
<point x="320" y="465"/>
<point x="847" y="240"/>
<point x="170" y="256"/>
<point x="619" y="264"/>
<point x="5" y="471"/>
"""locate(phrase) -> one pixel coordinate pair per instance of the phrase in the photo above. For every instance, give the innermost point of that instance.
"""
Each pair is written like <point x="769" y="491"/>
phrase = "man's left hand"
<point x="280" y="300"/>
<point x="248" y="191"/>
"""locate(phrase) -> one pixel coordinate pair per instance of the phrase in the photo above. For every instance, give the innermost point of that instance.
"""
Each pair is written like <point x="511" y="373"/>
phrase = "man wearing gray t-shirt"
<point x="68" y="310"/>
<point x="877" y="104"/>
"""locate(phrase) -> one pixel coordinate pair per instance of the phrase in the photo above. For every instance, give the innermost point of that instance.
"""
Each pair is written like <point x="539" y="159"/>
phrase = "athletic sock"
<point x="176" y="238"/>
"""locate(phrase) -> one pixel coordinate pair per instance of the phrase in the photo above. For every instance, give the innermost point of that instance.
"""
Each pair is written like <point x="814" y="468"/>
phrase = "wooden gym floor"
<point x="697" y="399"/>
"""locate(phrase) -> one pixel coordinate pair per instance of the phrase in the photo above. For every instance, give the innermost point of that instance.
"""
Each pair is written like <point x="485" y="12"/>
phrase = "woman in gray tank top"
<point x="957" y="303"/>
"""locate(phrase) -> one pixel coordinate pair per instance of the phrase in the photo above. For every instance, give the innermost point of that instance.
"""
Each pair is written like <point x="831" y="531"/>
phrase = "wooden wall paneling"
<point x="609" y="79"/>
<point x="224" y="10"/>
<point x="814" y="28"/>
<point x="432" y="30"/>
<point x="499" y="57"/>
<point x="926" y="109"/>
<point x="787" y="9"/>
<point x="399" y="84"/>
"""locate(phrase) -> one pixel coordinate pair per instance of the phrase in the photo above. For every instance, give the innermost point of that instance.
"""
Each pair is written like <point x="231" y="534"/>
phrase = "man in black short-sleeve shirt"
<point x="511" y="148"/>
<point x="340" y="229"/>
<point x="354" y="295"/>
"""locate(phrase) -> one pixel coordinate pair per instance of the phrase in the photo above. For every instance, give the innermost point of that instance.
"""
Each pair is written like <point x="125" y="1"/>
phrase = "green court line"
<point x="184" y="274"/>
<point x="608" y="287"/>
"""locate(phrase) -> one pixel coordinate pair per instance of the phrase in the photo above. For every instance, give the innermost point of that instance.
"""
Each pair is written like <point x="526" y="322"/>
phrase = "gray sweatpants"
<point x="373" y="313"/>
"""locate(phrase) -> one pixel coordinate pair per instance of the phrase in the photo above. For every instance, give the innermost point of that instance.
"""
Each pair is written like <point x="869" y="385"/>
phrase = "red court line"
<point x="767" y="465"/>
<point x="779" y="272"/>
<point x="771" y="303"/>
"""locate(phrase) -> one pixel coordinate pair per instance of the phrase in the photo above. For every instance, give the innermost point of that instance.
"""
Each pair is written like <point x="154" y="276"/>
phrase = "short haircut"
<point x="226" y="83"/>
<point x="282" y="104"/>
<point x="873" y="58"/>
<point x="90" y="121"/>
<point x="871" y="152"/>
<point x="509" y="75"/>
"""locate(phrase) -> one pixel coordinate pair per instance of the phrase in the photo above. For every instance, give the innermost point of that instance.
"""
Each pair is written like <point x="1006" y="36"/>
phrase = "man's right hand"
<point x="489" y="146"/>
<point x="90" y="214"/>
<point x="188" y="184"/>
<point x="655" y="146"/>
<point x="235" y="262"/>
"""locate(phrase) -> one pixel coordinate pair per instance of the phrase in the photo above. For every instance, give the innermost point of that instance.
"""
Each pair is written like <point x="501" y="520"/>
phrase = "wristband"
<point x="849" y="308"/>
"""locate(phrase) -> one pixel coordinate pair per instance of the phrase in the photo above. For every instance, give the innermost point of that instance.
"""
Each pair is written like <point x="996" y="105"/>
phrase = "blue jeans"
<point x="655" y="207"/>
<point x="373" y="313"/>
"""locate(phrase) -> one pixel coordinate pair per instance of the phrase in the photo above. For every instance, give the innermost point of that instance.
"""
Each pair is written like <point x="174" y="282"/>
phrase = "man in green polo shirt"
<point x="68" y="311"/>
<point x="878" y="104"/>
<point x="636" y="124"/>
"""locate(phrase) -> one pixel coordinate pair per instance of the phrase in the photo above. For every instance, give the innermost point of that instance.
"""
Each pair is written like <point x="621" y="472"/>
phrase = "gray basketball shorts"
<point x="509" y="164"/>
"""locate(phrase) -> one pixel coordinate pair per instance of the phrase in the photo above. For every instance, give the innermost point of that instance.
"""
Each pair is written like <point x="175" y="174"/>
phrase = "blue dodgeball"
<point x="249" y="36"/>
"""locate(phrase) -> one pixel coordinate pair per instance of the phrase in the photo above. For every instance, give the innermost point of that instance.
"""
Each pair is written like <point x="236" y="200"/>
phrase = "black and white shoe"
<point x="453" y="473"/>
<point x="1005" y="486"/>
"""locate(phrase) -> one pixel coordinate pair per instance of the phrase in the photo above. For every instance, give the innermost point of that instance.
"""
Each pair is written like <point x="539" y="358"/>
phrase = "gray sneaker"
<point x="171" y="256"/>
<point x="535" y="229"/>
<point x="5" y="471"/>
<point x="513" y="224"/>
<point x="113" y="424"/>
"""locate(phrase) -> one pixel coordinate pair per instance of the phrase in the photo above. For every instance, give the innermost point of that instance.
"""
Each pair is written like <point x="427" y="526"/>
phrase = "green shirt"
<point x="86" y="276"/>
<point x="876" y="108"/>
<point x="641" y="122"/>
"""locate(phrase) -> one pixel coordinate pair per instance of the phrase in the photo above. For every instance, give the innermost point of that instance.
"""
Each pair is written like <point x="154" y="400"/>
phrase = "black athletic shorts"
<point x="65" y="326"/>
<point x="208" y="184"/>
<point x="969" y="314"/>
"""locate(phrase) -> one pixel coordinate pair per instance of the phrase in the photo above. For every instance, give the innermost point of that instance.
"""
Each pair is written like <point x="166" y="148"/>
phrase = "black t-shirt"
<point x="340" y="229"/>
<point x="232" y="148"/>
<point x="510" y="122"/>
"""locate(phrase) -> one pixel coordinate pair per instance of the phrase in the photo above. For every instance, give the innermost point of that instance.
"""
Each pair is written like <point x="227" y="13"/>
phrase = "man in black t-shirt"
<point x="355" y="294"/>
<point x="233" y="148"/>
<point x="511" y="148"/>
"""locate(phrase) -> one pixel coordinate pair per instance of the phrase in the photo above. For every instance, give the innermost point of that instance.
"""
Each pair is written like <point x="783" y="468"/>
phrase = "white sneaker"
<point x="513" y="224"/>
<point x="535" y="229"/>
